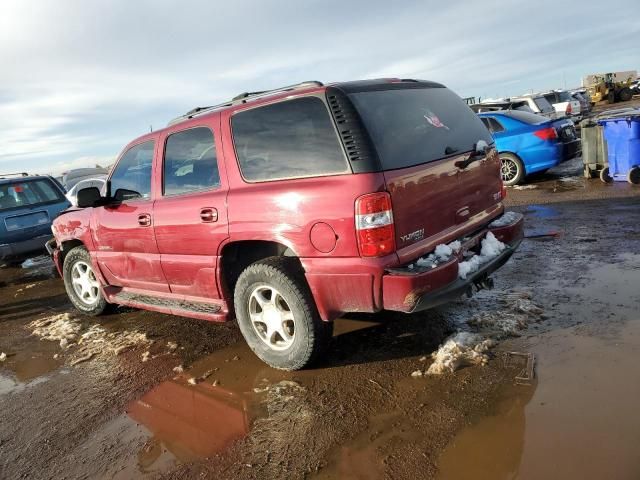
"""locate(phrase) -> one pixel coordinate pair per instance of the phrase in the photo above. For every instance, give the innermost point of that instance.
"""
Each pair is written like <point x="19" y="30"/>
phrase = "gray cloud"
<point x="80" y="79"/>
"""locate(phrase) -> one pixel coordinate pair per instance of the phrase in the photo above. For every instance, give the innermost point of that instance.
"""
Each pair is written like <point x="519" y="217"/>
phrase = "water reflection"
<point x="492" y="448"/>
<point x="190" y="421"/>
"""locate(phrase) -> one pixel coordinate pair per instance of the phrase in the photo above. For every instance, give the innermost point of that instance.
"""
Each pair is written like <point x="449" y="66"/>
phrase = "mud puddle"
<point x="581" y="421"/>
<point x="206" y="407"/>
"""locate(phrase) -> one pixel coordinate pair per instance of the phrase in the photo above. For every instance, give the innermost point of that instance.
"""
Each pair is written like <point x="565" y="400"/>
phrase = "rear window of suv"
<point x="543" y="104"/>
<point x="28" y="193"/>
<point x="290" y="139"/>
<point x="418" y="125"/>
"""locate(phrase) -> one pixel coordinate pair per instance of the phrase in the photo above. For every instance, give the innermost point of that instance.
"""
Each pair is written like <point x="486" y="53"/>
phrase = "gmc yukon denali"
<point x="286" y="209"/>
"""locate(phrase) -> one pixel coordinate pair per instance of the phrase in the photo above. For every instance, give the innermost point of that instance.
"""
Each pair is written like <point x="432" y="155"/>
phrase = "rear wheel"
<point x="277" y="315"/>
<point x="81" y="283"/>
<point x="634" y="175"/>
<point x="604" y="175"/>
<point x="512" y="169"/>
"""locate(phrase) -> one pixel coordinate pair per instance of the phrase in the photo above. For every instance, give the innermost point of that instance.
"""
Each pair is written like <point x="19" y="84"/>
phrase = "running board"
<point x="176" y="306"/>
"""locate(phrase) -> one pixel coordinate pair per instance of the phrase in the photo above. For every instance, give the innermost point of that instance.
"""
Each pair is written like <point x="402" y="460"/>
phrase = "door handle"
<point x="144" y="220"/>
<point x="209" y="215"/>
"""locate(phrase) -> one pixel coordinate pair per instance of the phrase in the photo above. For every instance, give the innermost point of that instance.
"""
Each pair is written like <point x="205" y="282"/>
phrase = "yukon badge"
<point x="413" y="236"/>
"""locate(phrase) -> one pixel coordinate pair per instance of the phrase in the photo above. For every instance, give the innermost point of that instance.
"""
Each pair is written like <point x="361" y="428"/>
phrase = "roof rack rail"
<point x="242" y="98"/>
<point x="19" y="174"/>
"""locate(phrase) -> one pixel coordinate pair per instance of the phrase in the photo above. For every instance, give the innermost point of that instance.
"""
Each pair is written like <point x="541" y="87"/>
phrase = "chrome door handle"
<point x="209" y="215"/>
<point x="144" y="220"/>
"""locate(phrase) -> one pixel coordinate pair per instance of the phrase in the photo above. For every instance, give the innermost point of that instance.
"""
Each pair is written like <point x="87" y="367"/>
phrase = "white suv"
<point x="564" y="104"/>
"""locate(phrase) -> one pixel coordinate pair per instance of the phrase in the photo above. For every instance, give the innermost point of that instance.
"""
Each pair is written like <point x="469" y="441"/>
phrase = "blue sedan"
<point x="528" y="143"/>
<point x="28" y="205"/>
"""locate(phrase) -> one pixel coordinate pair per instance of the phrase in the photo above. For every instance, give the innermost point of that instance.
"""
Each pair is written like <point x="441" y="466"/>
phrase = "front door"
<point x="190" y="216"/>
<point x="126" y="248"/>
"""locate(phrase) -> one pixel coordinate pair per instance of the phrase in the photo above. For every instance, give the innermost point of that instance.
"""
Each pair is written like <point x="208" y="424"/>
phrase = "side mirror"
<point x="88" y="197"/>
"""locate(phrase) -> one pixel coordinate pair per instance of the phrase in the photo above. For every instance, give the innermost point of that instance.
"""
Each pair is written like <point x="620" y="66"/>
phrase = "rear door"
<point x="421" y="136"/>
<point x="190" y="214"/>
<point x="123" y="232"/>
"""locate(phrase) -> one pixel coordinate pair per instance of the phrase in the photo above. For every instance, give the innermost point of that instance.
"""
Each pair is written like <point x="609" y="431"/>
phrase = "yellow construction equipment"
<point x="609" y="87"/>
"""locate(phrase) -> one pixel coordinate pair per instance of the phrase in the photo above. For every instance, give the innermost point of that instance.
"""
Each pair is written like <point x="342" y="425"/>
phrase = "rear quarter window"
<point x="418" y="125"/>
<point x="290" y="139"/>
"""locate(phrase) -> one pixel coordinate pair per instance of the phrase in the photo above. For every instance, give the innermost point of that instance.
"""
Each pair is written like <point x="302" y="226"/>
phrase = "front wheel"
<point x="604" y="175"/>
<point x="512" y="169"/>
<point x="81" y="283"/>
<point x="277" y="315"/>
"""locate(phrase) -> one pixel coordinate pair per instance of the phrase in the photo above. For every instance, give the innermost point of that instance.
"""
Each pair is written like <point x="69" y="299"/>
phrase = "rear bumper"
<point x="572" y="149"/>
<point x="18" y="249"/>
<point x="354" y="284"/>
<point x="406" y="291"/>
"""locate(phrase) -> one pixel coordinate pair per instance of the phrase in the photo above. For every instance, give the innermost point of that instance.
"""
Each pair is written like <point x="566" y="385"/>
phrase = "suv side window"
<point x="289" y="139"/>
<point x="132" y="175"/>
<point x="190" y="162"/>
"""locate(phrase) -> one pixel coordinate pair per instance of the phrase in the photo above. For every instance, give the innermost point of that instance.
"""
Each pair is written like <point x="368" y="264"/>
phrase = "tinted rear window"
<point x="564" y="96"/>
<point x="28" y="193"/>
<point x="543" y="104"/>
<point x="290" y="139"/>
<point x="414" y="126"/>
<point x="529" y="118"/>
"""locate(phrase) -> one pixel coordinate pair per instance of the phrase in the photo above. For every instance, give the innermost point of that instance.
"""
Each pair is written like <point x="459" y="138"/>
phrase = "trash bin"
<point x="594" y="148"/>
<point x="622" y="134"/>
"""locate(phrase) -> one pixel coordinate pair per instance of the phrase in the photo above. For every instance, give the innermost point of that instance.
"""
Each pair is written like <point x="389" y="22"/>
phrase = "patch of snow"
<point x="442" y="253"/>
<point x="524" y="187"/>
<point x="172" y="346"/>
<point x="460" y="349"/>
<point x="95" y="340"/>
<point x="56" y="328"/>
<point x="192" y="381"/>
<point x="145" y="356"/>
<point x="417" y="373"/>
<point x="491" y="247"/>
<point x="3" y="357"/>
<point x="178" y="369"/>
<point x="507" y="219"/>
<point x="470" y="348"/>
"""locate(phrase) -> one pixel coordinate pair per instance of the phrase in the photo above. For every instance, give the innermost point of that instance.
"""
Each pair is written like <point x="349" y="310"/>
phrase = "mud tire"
<point x="80" y="254"/>
<point x="625" y="95"/>
<point x="633" y="176"/>
<point x="312" y="334"/>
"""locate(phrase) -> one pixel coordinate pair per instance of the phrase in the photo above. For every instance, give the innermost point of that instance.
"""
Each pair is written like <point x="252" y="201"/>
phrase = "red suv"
<point x="289" y="208"/>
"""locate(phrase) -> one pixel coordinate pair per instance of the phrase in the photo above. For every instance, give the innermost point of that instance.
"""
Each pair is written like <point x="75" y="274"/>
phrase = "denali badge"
<point x="413" y="236"/>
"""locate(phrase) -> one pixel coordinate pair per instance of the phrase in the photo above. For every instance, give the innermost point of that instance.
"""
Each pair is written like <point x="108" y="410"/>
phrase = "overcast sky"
<point x="80" y="79"/>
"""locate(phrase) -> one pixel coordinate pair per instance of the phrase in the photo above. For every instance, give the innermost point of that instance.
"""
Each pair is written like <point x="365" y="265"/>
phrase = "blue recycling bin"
<point x="623" y="147"/>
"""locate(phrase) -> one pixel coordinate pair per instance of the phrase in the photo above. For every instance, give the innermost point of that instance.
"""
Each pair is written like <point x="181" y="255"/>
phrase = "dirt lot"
<point x="106" y="398"/>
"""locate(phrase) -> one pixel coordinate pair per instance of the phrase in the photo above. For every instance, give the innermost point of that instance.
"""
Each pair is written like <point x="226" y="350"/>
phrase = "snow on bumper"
<point x="439" y="278"/>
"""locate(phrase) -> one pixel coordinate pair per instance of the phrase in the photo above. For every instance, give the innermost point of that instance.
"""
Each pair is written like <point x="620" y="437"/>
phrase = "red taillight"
<point x="546" y="134"/>
<point x="374" y="225"/>
<point x="569" y="109"/>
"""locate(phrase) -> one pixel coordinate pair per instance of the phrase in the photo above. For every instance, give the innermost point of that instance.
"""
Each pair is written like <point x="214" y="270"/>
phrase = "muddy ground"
<point x="115" y="406"/>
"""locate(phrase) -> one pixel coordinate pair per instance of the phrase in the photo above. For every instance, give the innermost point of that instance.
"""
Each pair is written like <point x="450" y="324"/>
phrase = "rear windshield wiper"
<point x="480" y="150"/>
